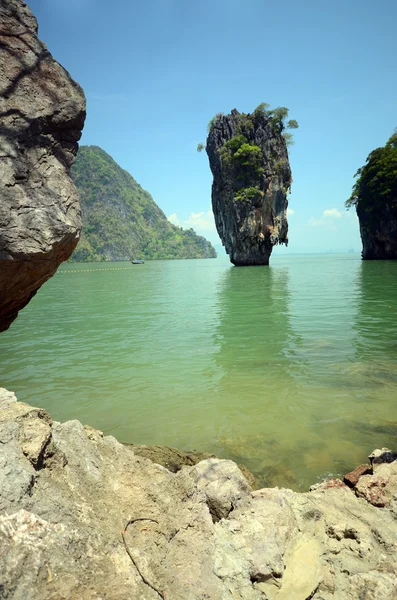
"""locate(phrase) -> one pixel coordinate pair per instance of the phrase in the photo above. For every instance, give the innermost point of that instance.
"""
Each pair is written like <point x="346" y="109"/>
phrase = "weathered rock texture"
<point x="42" y="112"/>
<point x="174" y="459"/>
<point x="374" y="195"/>
<point x="82" y="517"/>
<point x="379" y="232"/>
<point x="249" y="228"/>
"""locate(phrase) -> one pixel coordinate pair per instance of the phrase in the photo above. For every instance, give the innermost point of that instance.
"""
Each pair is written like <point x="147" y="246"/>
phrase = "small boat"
<point x="137" y="262"/>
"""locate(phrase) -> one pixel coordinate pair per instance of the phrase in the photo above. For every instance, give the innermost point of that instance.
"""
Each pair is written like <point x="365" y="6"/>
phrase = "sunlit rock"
<point x="252" y="176"/>
<point x="42" y="112"/>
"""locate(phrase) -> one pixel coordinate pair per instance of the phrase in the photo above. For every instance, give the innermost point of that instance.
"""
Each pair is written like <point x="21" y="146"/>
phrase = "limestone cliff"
<point x="379" y="238"/>
<point x="375" y="197"/>
<point x="42" y="112"/>
<point x="252" y="176"/>
<point x="83" y="517"/>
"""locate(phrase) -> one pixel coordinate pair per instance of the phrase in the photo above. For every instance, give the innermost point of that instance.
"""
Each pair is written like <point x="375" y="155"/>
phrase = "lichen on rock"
<point x="249" y="161"/>
<point x="42" y="112"/>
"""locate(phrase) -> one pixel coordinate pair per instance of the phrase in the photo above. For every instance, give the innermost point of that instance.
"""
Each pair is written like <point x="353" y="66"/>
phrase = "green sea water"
<point x="290" y="369"/>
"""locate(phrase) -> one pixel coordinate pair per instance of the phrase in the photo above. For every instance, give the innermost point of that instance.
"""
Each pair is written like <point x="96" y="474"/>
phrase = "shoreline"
<point x="83" y="516"/>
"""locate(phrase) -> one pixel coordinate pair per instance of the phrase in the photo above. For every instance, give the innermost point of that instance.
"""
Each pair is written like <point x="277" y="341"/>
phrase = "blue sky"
<point x="155" y="72"/>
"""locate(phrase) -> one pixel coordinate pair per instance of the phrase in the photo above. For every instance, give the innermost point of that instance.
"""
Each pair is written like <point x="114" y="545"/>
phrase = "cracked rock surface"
<point x="82" y="517"/>
<point x="42" y="112"/>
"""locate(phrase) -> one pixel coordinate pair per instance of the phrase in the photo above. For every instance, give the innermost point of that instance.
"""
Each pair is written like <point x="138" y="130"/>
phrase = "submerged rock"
<point x="252" y="176"/>
<point x="42" y="112"/>
<point x="81" y="516"/>
<point x="174" y="459"/>
<point x="170" y="458"/>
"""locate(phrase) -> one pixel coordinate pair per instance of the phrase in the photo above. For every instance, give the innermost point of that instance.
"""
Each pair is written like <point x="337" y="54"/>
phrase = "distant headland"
<point x="121" y="220"/>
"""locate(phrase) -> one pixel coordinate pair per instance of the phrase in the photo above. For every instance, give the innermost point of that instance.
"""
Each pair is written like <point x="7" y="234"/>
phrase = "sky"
<point x="155" y="72"/>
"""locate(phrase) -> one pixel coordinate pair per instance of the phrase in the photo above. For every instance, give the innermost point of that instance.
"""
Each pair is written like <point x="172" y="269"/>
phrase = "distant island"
<point x="374" y="196"/>
<point x="121" y="220"/>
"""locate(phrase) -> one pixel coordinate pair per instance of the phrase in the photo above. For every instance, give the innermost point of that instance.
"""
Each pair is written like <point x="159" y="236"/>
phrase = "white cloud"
<point x="332" y="212"/>
<point x="327" y="219"/>
<point x="202" y="220"/>
<point x="290" y="211"/>
<point x="174" y="219"/>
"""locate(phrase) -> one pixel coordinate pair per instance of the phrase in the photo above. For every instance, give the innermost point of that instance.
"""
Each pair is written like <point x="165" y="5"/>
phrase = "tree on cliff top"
<point x="278" y="117"/>
<point x="377" y="179"/>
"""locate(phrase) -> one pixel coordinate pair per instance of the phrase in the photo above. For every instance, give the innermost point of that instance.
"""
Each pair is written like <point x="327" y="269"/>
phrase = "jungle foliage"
<point x="376" y="183"/>
<point x="121" y="220"/>
<point x="246" y="158"/>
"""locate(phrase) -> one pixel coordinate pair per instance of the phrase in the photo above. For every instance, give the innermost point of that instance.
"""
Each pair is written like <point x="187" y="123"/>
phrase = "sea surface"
<point x="290" y="369"/>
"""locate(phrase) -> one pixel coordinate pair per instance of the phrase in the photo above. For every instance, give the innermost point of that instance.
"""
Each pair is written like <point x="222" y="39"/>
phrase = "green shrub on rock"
<point x="377" y="179"/>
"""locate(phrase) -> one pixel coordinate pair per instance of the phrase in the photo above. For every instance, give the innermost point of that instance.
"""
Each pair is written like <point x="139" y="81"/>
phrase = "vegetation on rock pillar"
<point x="377" y="179"/>
<point x="374" y="196"/>
<point x="246" y="158"/>
<point x="249" y="161"/>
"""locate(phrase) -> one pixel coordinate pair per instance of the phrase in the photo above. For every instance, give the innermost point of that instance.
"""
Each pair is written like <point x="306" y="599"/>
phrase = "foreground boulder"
<point x="42" y="112"/>
<point x="82" y="517"/>
<point x="252" y="177"/>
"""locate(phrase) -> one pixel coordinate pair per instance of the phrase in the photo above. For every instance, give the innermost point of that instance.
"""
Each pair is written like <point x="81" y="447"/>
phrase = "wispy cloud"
<point x="290" y="212"/>
<point x="174" y="219"/>
<point x="203" y="221"/>
<point x="327" y="219"/>
<point x="333" y="213"/>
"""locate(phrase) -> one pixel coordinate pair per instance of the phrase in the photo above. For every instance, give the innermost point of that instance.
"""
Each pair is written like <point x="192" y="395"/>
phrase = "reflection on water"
<point x="314" y="384"/>
<point x="289" y="369"/>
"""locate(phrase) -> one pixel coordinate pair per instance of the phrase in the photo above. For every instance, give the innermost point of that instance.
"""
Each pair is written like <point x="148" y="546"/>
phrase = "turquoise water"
<point x="290" y="369"/>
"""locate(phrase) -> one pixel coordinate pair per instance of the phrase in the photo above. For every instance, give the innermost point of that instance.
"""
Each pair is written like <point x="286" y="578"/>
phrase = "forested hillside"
<point x="121" y="220"/>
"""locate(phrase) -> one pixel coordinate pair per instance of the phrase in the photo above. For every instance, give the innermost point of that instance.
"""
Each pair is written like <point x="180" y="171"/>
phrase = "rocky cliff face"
<point x="379" y="233"/>
<point x="81" y="517"/>
<point x="374" y="196"/>
<point x="249" y="162"/>
<point x="42" y="112"/>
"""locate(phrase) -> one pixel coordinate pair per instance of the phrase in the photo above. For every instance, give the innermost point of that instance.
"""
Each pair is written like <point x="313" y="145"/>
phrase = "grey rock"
<point x="174" y="459"/>
<point x="6" y="397"/>
<point x="250" y="228"/>
<point x="42" y="112"/>
<point x="83" y="517"/>
<point x="223" y="484"/>
<point x="379" y="235"/>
